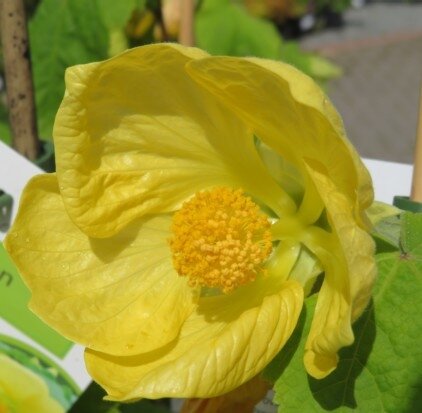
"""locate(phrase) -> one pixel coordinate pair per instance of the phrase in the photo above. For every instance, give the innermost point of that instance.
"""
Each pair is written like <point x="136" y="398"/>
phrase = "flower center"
<point x="220" y="239"/>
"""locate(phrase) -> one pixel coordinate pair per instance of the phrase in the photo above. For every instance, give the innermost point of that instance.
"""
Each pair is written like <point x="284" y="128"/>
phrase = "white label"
<point x="15" y="172"/>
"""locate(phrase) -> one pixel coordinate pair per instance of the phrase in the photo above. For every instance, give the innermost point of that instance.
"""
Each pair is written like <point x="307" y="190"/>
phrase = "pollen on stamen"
<point x="220" y="239"/>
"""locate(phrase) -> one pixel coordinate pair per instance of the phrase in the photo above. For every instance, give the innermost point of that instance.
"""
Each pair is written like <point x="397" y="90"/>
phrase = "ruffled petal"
<point x="135" y="135"/>
<point x="347" y="256"/>
<point x="290" y="113"/>
<point x="226" y="342"/>
<point x="120" y="295"/>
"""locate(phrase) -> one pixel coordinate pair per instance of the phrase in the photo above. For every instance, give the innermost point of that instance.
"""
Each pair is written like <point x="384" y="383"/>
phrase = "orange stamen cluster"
<point x="220" y="239"/>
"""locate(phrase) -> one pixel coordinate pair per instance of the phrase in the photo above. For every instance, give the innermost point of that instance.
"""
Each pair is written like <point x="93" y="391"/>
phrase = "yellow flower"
<point x="193" y="200"/>
<point x="22" y="391"/>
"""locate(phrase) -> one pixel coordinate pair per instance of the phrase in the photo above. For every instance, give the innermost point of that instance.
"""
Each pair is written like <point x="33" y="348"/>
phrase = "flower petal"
<point x="120" y="295"/>
<point x="347" y="256"/>
<point x="290" y="113"/>
<point x="135" y="135"/>
<point x="226" y="342"/>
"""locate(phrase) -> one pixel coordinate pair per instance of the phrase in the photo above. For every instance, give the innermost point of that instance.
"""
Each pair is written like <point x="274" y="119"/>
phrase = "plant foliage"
<point x="382" y="370"/>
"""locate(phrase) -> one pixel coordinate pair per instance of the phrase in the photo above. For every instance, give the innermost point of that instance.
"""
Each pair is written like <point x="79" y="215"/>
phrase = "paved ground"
<point x="380" y="51"/>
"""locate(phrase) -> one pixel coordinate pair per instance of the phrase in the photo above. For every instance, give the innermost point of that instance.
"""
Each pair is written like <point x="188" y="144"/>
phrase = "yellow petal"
<point x="290" y="113"/>
<point x="119" y="295"/>
<point x="24" y="390"/>
<point x="347" y="256"/>
<point x="243" y="399"/>
<point x="135" y="135"/>
<point x="226" y="342"/>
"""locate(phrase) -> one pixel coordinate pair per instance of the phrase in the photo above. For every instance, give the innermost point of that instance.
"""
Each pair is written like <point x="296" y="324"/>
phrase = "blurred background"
<point x="379" y="48"/>
<point x="366" y="55"/>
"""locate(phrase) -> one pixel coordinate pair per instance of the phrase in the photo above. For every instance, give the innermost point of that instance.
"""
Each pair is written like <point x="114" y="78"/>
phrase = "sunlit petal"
<point x="226" y="342"/>
<point x="136" y="135"/>
<point x="347" y="256"/>
<point x="290" y="113"/>
<point x="120" y="295"/>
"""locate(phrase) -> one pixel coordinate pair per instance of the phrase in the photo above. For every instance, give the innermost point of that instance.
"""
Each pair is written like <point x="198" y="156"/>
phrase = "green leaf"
<point x="5" y="132"/>
<point x="313" y="65"/>
<point x="411" y="232"/>
<point x="92" y="401"/>
<point x="115" y="15"/>
<point x="387" y="234"/>
<point x="290" y="357"/>
<point x="382" y="370"/>
<point x="380" y="210"/>
<point x="239" y="34"/>
<point x="5" y="135"/>
<point x="63" y="33"/>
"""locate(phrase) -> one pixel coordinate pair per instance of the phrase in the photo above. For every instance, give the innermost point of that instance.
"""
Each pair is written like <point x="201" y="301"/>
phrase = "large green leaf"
<point x="223" y="28"/>
<point x="63" y="33"/>
<point x="382" y="370"/>
<point x="115" y="15"/>
<point x="387" y="234"/>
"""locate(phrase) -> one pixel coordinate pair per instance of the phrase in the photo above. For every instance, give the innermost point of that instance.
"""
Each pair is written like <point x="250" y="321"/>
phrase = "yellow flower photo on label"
<point x="22" y="391"/>
<point x="195" y="202"/>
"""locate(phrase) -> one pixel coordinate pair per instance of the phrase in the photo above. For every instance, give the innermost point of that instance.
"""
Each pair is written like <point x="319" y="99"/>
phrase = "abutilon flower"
<point x="22" y="391"/>
<point x="196" y="199"/>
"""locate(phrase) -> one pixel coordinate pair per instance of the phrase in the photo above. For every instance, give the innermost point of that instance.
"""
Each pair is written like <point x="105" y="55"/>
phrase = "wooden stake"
<point x="416" y="194"/>
<point x="158" y="12"/>
<point x="20" y="91"/>
<point x="186" y="33"/>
